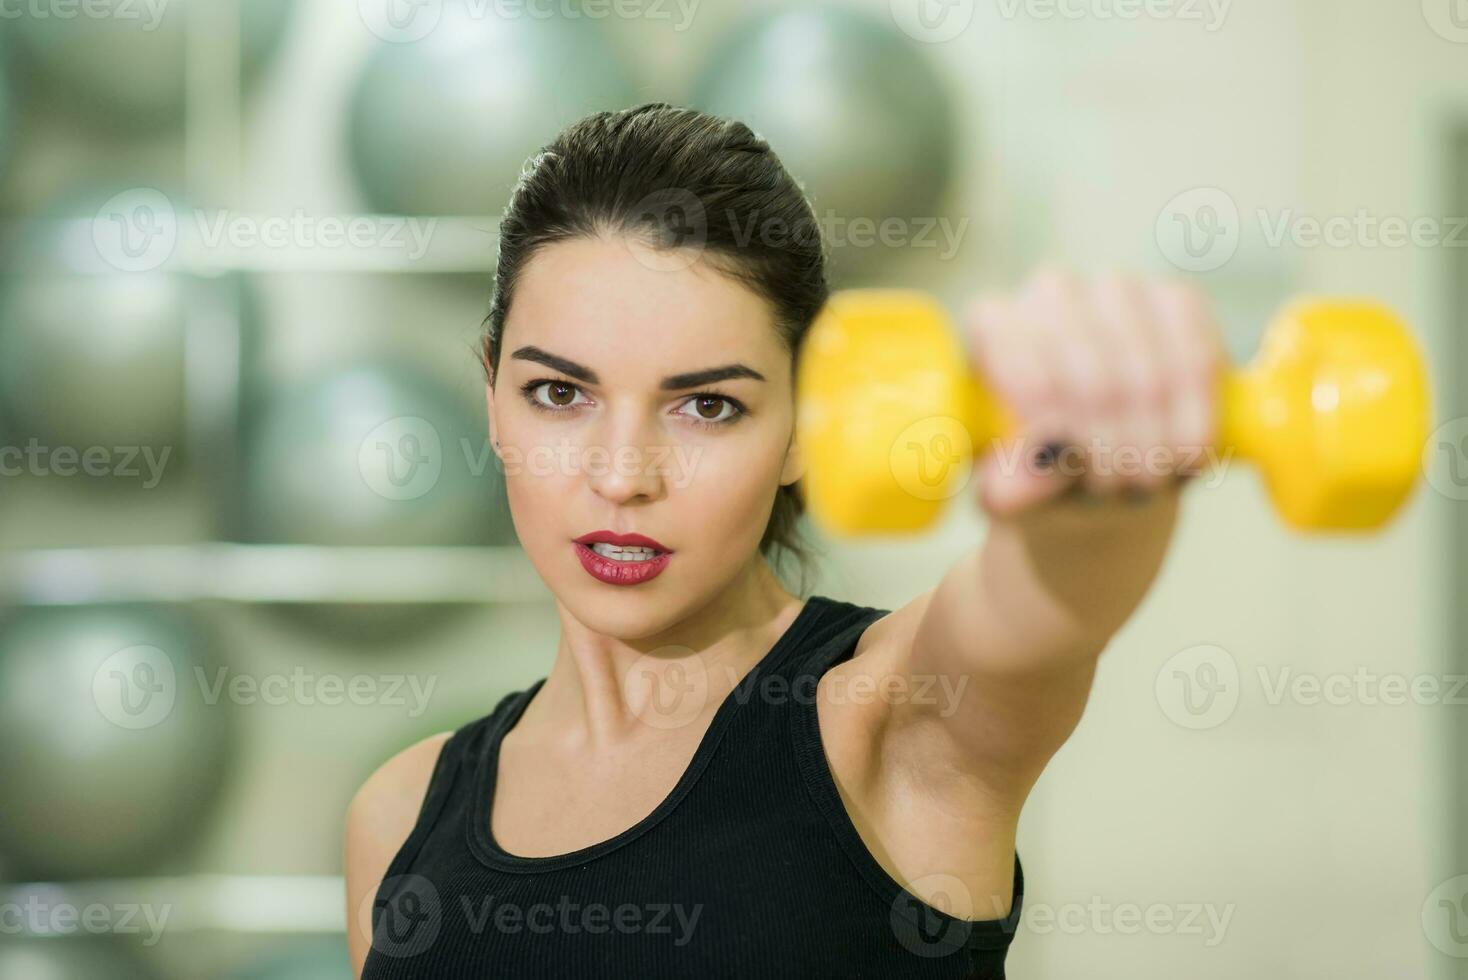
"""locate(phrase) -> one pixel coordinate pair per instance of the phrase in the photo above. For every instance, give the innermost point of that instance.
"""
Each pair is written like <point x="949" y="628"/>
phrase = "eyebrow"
<point x="673" y="382"/>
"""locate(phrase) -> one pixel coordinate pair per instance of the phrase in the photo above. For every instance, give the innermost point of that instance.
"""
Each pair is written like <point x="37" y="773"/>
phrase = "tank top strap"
<point x="835" y="628"/>
<point x="452" y="771"/>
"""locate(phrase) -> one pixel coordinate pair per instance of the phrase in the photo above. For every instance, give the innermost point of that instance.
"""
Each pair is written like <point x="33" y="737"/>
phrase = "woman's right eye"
<point x="557" y="395"/>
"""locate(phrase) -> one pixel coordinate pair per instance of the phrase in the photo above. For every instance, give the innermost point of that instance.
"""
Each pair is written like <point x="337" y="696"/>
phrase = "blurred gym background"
<point x="253" y="545"/>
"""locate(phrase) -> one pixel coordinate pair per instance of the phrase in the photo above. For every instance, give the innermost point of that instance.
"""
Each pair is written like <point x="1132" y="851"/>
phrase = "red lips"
<point x="623" y="540"/>
<point x="616" y="572"/>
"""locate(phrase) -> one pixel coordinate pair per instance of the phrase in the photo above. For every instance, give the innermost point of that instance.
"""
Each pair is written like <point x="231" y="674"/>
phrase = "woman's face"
<point x="603" y="425"/>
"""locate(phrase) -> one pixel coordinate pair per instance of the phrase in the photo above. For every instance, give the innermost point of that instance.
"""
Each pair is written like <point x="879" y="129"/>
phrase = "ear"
<point x="794" y="467"/>
<point x="493" y="423"/>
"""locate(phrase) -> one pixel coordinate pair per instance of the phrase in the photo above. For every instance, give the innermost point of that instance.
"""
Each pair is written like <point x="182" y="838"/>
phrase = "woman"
<point x="718" y="778"/>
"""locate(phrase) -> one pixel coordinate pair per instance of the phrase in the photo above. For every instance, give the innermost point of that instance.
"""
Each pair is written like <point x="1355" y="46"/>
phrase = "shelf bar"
<point x="269" y="573"/>
<point x="183" y="904"/>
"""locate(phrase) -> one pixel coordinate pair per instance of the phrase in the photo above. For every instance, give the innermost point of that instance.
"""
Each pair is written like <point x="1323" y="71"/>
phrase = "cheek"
<point x="728" y="492"/>
<point x="540" y="482"/>
<point x="539" y="477"/>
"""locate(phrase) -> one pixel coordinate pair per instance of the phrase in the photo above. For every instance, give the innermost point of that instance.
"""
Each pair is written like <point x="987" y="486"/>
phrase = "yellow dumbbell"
<point x="1334" y="410"/>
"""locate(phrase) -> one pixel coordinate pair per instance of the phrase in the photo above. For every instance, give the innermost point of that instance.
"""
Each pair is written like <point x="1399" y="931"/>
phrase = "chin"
<point x="625" y="613"/>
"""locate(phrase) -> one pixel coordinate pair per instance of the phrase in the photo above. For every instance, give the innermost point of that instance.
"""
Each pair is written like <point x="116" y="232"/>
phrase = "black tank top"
<point x="750" y="867"/>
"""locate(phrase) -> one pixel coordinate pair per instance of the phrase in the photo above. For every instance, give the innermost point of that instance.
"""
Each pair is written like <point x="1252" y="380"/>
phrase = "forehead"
<point x="601" y="302"/>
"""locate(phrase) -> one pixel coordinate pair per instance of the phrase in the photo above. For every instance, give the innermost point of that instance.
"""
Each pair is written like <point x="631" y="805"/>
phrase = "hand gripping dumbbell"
<point x="1334" y="410"/>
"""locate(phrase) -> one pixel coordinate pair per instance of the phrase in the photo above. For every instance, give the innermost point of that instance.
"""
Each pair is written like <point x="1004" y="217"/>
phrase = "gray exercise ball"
<point x="856" y="111"/>
<point x="370" y="455"/>
<point x="127" y="69"/>
<point x="93" y="334"/>
<point x="443" y="124"/>
<point x="110" y="751"/>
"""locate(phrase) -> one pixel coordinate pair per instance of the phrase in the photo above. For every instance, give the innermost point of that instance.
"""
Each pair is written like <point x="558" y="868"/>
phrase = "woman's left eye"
<point x="711" y="409"/>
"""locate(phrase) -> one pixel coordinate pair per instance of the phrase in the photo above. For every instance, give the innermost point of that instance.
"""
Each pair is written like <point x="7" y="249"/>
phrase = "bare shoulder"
<point x="379" y="819"/>
<point x="880" y="727"/>
<point x="882" y="646"/>
<point x="386" y="805"/>
<point x="853" y="717"/>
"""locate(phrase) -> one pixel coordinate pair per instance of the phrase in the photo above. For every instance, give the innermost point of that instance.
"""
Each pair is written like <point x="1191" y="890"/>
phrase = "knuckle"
<point x="1149" y="392"/>
<point x="1054" y="280"/>
<point x="985" y="314"/>
<point x="1119" y="290"/>
<point x="1096" y="393"/>
<point x="1030" y="388"/>
<point x="1181" y="299"/>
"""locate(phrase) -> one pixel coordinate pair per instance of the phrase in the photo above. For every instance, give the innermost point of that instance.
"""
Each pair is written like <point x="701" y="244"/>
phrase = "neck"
<point x="600" y="689"/>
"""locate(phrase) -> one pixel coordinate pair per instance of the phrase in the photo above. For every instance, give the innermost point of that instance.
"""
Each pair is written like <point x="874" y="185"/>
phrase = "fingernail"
<point x="1048" y="455"/>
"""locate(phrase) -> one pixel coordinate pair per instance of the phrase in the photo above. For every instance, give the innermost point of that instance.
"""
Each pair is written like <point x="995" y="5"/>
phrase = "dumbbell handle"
<point x="1247" y="411"/>
<point x="1333" y="409"/>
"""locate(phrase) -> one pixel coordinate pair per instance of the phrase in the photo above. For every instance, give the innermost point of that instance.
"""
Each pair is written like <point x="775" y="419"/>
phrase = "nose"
<point x="628" y="466"/>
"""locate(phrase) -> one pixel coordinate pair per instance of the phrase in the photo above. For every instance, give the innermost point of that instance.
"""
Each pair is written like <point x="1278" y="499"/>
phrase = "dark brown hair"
<point x="672" y="178"/>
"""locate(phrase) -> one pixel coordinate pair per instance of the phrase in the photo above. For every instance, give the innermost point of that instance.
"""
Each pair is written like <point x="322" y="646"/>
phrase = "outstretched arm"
<point x="999" y="657"/>
<point x="1119" y="376"/>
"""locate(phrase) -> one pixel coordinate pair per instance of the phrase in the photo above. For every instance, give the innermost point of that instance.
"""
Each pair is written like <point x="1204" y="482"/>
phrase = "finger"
<point x="1016" y="473"/>
<point x="1011" y="358"/>
<point x="1193" y="350"/>
<point x="1091" y="392"/>
<point x="1129" y="330"/>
